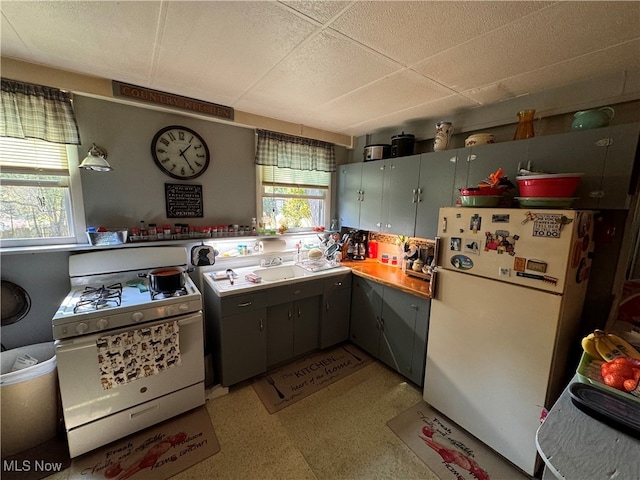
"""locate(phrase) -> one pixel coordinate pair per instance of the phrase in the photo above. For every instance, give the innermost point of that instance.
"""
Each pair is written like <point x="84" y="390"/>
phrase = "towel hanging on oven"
<point x="203" y="255"/>
<point x="131" y="355"/>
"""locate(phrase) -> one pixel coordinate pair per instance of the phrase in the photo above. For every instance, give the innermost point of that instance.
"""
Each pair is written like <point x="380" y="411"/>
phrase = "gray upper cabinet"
<point x="435" y="190"/>
<point x="604" y="155"/>
<point x="349" y="194"/>
<point x="483" y="160"/>
<point x="400" y="195"/>
<point x="384" y="196"/>
<point x="371" y="203"/>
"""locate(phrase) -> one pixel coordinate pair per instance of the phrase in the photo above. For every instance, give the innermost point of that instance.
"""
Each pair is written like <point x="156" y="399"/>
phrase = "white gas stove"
<point x="128" y="357"/>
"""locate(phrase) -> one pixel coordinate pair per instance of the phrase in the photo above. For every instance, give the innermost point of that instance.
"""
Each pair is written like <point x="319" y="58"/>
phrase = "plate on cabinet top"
<point x="16" y="303"/>
<point x="546" y="202"/>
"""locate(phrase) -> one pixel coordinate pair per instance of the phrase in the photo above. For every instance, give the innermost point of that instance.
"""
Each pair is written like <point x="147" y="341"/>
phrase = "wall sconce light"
<point x="96" y="160"/>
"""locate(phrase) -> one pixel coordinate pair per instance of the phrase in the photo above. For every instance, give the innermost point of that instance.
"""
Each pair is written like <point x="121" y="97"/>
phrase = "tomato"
<point x="621" y="369"/>
<point x="630" y="384"/>
<point x="614" y="380"/>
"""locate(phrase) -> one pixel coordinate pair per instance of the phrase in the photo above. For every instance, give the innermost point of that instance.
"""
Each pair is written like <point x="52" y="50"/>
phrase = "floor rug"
<point x="155" y="453"/>
<point x="286" y="385"/>
<point x="448" y="450"/>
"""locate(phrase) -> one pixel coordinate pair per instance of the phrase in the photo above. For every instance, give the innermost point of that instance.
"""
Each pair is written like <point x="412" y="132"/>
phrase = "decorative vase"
<point x="444" y="130"/>
<point x="597" y="118"/>
<point x="525" y="125"/>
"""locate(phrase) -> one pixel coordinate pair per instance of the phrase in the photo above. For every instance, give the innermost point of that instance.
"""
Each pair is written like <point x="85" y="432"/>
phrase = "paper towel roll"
<point x="268" y="245"/>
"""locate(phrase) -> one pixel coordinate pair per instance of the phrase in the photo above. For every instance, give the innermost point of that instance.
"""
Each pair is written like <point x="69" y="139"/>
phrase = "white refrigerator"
<point x="508" y="291"/>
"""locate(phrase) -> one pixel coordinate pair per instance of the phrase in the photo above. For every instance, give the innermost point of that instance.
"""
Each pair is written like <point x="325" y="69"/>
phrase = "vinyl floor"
<point x="337" y="433"/>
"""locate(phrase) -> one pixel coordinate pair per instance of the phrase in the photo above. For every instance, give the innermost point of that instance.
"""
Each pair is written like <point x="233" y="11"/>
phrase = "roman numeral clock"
<point x="180" y="152"/>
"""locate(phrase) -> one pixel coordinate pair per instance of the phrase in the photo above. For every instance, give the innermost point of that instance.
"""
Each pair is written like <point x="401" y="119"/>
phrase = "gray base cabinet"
<point x="292" y="329"/>
<point x="236" y="327"/>
<point x="391" y="325"/>
<point x="336" y="309"/>
<point x="250" y="333"/>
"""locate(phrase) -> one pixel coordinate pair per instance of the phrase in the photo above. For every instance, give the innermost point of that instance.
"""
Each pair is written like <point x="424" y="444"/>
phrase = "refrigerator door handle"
<point x="436" y="251"/>
<point x="433" y="281"/>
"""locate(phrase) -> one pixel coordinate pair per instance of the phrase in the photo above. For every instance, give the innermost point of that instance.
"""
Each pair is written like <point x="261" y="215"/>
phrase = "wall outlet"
<point x="504" y="271"/>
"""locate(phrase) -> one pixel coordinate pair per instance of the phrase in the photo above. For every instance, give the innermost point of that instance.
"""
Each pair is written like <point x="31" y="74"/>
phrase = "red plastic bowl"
<point x="551" y="185"/>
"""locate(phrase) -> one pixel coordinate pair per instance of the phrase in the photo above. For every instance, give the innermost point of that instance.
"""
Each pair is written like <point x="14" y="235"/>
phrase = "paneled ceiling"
<point x="345" y="67"/>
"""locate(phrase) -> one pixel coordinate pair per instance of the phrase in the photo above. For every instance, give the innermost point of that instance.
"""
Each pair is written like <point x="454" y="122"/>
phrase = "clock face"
<point x="180" y="152"/>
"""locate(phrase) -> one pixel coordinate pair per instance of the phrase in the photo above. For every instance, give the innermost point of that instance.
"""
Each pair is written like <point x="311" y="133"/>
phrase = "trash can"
<point x="28" y="398"/>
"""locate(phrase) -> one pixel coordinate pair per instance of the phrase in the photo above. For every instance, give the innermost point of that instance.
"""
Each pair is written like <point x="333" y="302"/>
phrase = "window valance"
<point x="35" y="111"/>
<point x="288" y="151"/>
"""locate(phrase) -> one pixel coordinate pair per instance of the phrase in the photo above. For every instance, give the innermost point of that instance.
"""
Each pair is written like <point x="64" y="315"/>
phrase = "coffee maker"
<point x="357" y="249"/>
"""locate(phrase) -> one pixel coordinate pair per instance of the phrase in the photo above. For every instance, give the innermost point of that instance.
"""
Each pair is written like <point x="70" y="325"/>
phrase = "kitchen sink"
<point x="283" y="272"/>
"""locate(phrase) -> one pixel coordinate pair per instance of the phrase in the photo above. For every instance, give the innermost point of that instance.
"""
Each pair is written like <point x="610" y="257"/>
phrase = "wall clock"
<point x="180" y="152"/>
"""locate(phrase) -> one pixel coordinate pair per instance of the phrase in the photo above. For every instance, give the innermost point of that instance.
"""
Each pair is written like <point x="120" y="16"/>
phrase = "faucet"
<point x="271" y="262"/>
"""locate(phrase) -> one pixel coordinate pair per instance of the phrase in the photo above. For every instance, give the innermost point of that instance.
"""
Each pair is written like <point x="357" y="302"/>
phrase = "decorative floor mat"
<point x="156" y="453"/>
<point x="286" y="385"/>
<point x="448" y="451"/>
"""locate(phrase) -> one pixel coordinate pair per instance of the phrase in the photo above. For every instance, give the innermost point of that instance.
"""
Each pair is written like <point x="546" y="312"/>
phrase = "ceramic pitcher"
<point x="596" y="118"/>
<point x="444" y="130"/>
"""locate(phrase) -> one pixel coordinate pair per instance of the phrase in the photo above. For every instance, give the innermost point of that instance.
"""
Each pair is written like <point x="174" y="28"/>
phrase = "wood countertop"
<point x="389" y="275"/>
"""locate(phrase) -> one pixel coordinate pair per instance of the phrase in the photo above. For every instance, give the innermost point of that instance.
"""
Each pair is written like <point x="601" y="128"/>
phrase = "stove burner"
<point x="155" y="295"/>
<point x="95" y="298"/>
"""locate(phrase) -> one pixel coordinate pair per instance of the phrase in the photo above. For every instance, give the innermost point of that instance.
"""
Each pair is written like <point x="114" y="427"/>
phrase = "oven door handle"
<point x="144" y="412"/>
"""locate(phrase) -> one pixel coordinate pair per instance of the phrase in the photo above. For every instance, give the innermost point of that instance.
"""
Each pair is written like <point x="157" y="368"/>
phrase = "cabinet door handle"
<point x="297" y="292"/>
<point x="299" y="312"/>
<point x="419" y="196"/>
<point x="261" y="324"/>
<point x="471" y="158"/>
<point x="454" y="159"/>
<point x="289" y="314"/>
<point x="414" y="306"/>
<point x="597" y="194"/>
<point x="327" y="306"/>
<point x="246" y="304"/>
<point x="382" y="324"/>
<point x="337" y="284"/>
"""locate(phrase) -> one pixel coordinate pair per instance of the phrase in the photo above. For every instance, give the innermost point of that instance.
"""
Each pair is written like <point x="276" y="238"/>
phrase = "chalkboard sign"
<point x="183" y="201"/>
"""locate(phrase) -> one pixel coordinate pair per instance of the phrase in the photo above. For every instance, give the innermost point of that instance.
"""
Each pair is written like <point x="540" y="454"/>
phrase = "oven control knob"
<point x="183" y="307"/>
<point x="137" y="316"/>
<point x="170" y="311"/>
<point x="82" y="327"/>
<point x="102" y="323"/>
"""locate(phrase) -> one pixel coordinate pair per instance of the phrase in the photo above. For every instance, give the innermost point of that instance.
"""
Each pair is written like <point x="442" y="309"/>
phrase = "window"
<point x="40" y="198"/>
<point x="295" y="199"/>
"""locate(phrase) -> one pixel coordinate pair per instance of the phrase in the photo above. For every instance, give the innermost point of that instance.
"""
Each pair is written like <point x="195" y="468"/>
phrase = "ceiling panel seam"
<point x="157" y="42"/>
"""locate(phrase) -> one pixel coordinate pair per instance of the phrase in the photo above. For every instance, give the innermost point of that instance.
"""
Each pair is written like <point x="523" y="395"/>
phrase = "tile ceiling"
<point x="345" y="67"/>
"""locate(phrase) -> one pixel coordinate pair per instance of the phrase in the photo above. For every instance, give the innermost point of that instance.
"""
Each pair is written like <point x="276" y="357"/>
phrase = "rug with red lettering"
<point x="286" y="385"/>
<point x="448" y="450"/>
<point x="157" y="453"/>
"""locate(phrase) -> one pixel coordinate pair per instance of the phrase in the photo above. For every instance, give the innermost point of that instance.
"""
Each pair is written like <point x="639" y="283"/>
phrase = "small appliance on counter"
<point x="357" y="244"/>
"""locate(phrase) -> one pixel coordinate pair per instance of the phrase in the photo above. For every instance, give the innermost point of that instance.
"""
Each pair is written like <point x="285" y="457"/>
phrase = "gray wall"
<point x="134" y="191"/>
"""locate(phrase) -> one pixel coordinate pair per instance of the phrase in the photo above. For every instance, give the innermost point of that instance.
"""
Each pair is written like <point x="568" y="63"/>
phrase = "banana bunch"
<point x="608" y="346"/>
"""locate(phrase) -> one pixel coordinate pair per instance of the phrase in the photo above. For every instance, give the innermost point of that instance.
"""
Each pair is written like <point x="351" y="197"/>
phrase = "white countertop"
<point x="576" y="446"/>
<point x="224" y="287"/>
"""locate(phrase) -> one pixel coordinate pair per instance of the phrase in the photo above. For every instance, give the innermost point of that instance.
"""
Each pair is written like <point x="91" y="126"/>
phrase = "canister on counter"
<point x="372" y="251"/>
